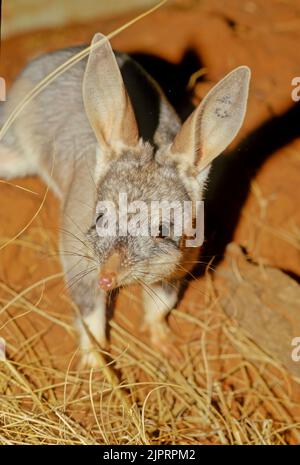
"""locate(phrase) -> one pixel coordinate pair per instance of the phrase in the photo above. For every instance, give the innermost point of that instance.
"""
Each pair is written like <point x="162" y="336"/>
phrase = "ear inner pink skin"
<point x="106" y="101"/>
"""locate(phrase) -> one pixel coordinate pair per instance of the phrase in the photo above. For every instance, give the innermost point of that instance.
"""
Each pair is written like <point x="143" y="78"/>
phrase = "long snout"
<point x="108" y="275"/>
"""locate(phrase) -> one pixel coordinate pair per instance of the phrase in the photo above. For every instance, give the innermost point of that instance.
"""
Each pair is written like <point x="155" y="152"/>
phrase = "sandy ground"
<point x="19" y="16"/>
<point x="256" y="204"/>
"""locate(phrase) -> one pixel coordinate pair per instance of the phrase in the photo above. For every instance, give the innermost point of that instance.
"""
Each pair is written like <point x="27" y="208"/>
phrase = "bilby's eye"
<point x="166" y="231"/>
<point x="99" y="217"/>
<point x="163" y="232"/>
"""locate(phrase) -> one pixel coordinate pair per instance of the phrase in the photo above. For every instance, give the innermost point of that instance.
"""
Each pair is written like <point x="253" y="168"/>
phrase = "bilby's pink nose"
<point x="107" y="281"/>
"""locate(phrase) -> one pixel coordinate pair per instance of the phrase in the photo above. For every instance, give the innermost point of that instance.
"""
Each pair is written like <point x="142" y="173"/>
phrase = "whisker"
<point x="78" y="277"/>
<point x="73" y="254"/>
<point x="150" y="291"/>
<point x="65" y="231"/>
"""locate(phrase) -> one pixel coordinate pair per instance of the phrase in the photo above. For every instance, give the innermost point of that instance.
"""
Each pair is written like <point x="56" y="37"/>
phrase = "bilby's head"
<point x="144" y="194"/>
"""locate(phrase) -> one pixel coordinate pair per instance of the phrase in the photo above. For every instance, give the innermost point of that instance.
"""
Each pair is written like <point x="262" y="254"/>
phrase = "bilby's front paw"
<point x="90" y="359"/>
<point x="91" y="351"/>
<point x="92" y="339"/>
<point x="163" y="339"/>
<point x="91" y="355"/>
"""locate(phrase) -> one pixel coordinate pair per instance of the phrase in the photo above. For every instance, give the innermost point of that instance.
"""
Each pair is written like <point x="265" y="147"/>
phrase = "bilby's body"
<point x="90" y="137"/>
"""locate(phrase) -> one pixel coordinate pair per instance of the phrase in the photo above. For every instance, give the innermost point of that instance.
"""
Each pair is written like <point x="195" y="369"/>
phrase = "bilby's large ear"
<point x="214" y="123"/>
<point x="106" y="101"/>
